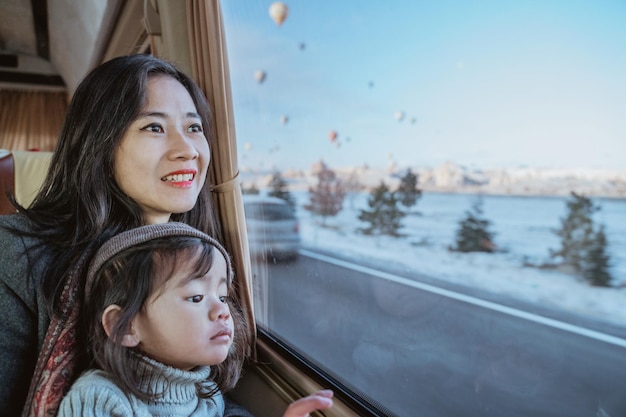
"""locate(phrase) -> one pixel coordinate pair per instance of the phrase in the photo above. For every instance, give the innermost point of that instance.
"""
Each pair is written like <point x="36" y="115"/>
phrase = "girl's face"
<point x="162" y="159"/>
<point x="187" y="323"/>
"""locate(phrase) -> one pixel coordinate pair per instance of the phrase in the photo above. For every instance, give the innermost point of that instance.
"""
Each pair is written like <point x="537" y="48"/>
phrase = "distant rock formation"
<point x="453" y="177"/>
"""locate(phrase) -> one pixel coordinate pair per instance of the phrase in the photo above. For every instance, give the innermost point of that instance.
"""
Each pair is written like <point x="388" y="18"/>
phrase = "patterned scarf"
<point x="57" y="365"/>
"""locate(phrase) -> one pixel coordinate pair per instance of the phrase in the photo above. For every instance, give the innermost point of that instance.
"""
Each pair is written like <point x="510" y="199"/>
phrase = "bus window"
<point x="457" y="173"/>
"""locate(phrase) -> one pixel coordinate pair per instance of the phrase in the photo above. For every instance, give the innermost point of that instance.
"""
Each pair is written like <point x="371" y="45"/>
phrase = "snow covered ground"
<point x="524" y="230"/>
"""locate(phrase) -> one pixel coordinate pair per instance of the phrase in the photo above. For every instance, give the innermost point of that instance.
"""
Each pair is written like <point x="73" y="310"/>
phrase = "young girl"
<point x="164" y="335"/>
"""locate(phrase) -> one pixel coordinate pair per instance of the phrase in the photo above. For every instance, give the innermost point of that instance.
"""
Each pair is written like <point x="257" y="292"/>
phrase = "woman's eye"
<point x="154" y="128"/>
<point x="224" y="298"/>
<point x="196" y="298"/>
<point x="196" y="128"/>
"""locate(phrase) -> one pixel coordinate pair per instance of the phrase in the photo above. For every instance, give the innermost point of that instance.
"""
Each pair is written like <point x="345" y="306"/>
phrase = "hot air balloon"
<point x="399" y="115"/>
<point x="284" y="119"/>
<point x="332" y="135"/>
<point x="278" y="12"/>
<point x="302" y="46"/>
<point x="248" y="146"/>
<point x="259" y="76"/>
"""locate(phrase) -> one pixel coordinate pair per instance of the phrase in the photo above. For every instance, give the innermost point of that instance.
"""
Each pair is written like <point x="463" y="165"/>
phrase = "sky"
<point x="483" y="83"/>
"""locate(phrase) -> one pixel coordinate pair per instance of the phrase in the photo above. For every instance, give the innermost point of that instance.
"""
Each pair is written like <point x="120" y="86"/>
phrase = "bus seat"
<point x="21" y="173"/>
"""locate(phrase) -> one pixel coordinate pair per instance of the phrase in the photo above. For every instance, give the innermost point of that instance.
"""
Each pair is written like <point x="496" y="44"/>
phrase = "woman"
<point x="134" y="150"/>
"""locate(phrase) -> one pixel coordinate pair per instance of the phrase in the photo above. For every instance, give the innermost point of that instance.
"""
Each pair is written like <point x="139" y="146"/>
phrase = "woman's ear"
<point x="110" y="317"/>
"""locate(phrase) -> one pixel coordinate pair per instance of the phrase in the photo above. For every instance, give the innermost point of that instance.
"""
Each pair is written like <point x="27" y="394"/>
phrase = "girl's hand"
<point x="321" y="400"/>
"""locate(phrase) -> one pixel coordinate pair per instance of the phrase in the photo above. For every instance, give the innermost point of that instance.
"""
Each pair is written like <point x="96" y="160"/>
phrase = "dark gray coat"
<point x="24" y="314"/>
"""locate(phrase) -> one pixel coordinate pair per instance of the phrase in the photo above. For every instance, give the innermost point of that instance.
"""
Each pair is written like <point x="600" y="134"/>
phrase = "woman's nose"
<point x="182" y="146"/>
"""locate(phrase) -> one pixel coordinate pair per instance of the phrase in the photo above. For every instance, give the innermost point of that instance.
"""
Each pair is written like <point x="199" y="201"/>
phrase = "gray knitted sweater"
<point x="94" y="394"/>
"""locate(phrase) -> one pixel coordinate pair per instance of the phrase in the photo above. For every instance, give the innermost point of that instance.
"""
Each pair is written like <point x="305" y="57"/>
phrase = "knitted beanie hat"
<point x="136" y="236"/>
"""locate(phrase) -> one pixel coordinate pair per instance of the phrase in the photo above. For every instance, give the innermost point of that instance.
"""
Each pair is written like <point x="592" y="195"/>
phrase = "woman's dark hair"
<point x="80" y="205"/>
<point x="128" y="279"/>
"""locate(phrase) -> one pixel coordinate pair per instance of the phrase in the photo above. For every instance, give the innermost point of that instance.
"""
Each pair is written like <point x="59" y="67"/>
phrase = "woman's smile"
<point x="183" y="178"/>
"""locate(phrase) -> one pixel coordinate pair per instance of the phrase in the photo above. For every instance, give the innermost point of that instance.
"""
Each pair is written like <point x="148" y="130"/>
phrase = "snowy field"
<point x="523" y="228"/>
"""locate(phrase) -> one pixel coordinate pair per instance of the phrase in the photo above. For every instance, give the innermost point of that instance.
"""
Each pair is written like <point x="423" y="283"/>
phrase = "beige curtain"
<point x="210" y="69"/>
<point x="31" y="119"/>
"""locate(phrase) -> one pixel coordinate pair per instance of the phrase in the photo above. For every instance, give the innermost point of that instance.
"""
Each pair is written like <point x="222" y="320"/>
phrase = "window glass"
<point x="457" y="173"/>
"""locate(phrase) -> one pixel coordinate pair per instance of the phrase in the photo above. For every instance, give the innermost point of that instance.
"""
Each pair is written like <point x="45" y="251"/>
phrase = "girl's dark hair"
<point x="80" y="205"/>
<point x="128" y="279"/>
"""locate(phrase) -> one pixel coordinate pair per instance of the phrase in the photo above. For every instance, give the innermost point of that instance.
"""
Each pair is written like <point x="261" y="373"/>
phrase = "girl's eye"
<point x="196" y="298"/>
<point x="196" y="128"/>
<point x="224" y="298"/>
<point x="156" y="128"/>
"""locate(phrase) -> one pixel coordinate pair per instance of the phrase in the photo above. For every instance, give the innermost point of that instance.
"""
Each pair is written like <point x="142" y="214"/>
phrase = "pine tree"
<point x="326" y="198"/>
<point x="576" y="232"/>
<point x="473" y="234"/>
<point x="596" y="262"/>
<point x="408" y="193"/>
<point x="384" y="216"/>
<point x="279" y="189"/>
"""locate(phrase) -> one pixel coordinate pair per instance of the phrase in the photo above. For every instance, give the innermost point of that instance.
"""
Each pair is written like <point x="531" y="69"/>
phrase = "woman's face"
<point x="163" y="157"/>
